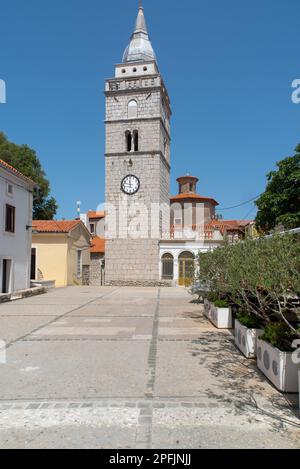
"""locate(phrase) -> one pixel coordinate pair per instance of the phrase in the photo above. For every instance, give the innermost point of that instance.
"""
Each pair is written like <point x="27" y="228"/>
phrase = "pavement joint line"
<point x="152" y="357"/>
<point x="92" y="339"/>
<point x="144" y="412"/>
<point x="57" y="318"/>
<point x="144" y="429"/>
<point x="110" y="316"/>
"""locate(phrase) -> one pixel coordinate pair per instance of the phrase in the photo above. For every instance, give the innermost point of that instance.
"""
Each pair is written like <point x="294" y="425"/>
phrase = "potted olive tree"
<point x="262" y="277"/>
<point x="276" y="357"/>
<point x="221" y="315"/>
<point x="246" y="332"/>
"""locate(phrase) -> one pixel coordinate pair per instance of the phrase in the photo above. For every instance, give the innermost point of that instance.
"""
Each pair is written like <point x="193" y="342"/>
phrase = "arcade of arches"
<point x="181" y="269"/>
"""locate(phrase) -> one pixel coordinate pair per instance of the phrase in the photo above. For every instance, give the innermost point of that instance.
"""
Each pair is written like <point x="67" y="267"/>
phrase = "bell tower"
<point x="137" y="164"/>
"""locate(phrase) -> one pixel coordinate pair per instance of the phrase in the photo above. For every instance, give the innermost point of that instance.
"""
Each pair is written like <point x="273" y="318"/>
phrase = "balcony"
<point x="195" y="233"/>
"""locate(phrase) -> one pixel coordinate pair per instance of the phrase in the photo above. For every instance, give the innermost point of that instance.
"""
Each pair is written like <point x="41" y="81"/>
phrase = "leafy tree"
<point x="25" y="160"/>
<point x="280" y="204"/>
<point x="261" y="277"/>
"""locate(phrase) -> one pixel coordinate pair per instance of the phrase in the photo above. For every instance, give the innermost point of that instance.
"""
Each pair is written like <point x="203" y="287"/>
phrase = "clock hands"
<point x="130" y="185"/>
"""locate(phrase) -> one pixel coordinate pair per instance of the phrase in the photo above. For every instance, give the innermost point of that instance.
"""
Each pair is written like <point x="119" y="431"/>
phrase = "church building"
<point x="151" y="237"/>
<point x="137" y="156"/>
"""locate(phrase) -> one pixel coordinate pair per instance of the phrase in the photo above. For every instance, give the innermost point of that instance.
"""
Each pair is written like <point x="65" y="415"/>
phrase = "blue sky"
<point x="228" y="67"/>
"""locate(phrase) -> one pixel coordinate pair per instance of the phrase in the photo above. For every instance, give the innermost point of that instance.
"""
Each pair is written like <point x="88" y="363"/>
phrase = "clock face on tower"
<point x="130" y="185"/>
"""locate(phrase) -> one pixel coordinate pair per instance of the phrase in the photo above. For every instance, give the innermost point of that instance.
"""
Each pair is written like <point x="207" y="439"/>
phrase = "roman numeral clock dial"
<point x="130" y="185"/>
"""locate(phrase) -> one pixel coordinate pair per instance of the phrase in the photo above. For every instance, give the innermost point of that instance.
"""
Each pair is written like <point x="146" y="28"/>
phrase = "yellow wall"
<point x="51" y="257"/>
<point x="56" y="255"/>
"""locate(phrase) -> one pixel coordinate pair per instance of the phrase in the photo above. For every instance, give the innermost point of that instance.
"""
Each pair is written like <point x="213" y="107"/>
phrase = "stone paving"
<point x="92" y="367"/>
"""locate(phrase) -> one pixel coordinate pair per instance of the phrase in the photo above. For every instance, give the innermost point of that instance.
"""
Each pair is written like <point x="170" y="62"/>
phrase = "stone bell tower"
<point x="137" y="164"/>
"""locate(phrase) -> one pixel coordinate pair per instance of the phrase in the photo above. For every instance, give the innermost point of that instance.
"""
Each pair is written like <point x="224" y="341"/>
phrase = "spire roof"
<point x="140" y="48"/>
<point x="140" y="25"/>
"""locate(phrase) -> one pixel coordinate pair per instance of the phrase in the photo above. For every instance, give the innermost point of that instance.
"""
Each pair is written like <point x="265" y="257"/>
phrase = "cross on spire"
<point x="140" y="3"/>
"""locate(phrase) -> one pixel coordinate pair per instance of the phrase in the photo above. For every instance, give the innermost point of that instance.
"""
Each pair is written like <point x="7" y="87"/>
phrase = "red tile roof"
<point x="53" y="226"/>
<point x="187" y="178"/>
<point x="194" y="198"/>
<point x="98" y="245"/>
<point x="227" y="225"/>
<point x="15" y="171"/>
<point x="95" y="215"/>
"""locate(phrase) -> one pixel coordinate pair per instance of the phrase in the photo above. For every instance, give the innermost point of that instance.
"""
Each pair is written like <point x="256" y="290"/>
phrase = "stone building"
<point x="137" y="163"/>
<point x="151" y="238"/>
<point x="194" y="228"/>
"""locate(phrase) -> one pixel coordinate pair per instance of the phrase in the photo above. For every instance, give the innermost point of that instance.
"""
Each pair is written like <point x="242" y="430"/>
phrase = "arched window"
<point x="128" y="138"/>
<point x="132" y="109"/>
<point x="167" y="267"/>
<point x="136" y="140"/>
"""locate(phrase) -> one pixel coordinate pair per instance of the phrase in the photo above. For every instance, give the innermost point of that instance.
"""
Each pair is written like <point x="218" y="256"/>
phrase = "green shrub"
<point x="249" y="320"/>
<point x="259" y="277"/>
<point x="280" y="336"/>
<point x="212" y="297"/>
<point x="221" y="304"/>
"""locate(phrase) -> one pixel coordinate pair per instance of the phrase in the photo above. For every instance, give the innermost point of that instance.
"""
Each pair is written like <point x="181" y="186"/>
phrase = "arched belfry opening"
<point x="128" y="140"/>
<point x="136" y="140"/>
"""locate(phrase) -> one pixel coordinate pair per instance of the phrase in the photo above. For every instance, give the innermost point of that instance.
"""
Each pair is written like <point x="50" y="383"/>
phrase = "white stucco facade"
<point x="177" y="247"/>
<point x="16" y="192"/>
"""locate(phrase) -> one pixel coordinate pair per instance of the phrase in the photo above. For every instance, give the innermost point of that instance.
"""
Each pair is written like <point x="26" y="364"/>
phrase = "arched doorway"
<point x="167" y="267"/>
<point x="186" y="269"/>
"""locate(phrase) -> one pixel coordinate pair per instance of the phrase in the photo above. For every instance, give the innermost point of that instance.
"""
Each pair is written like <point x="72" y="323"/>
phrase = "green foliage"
<point x="212" y="296"/>
<point x="221" y="304"/>
<point x="280" y="204"/>
<point x="249" y="320"/>
<point x="25" y="160"/>
<point x="260" y="276"/>
<point x="279" y="336"/>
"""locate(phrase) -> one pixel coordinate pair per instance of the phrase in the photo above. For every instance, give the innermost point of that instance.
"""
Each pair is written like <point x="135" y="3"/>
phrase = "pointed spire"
<point x="140" y="48"/>
<point x="140" y="26"/>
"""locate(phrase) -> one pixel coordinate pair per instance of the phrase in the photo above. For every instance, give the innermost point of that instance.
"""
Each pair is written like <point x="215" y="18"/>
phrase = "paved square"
<point x="131" y="368"/>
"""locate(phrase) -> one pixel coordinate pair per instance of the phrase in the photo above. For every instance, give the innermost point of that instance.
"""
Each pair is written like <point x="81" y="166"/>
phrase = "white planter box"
<point x="246" y="339"/>
<point x="278" y="367"/>
<point x="221" y="317"/>
<point x="207" y="309"/>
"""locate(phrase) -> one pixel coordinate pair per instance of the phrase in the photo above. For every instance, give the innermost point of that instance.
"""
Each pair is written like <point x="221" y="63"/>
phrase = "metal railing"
<point x="194" y="232"/>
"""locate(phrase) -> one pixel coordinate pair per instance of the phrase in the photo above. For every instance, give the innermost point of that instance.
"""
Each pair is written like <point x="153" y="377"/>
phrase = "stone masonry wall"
<point x="132" y="250"/>
<point x="95" y="270"/>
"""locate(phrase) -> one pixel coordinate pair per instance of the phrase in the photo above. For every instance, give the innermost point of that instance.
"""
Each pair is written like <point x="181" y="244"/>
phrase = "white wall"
<point x="17" y="246"/>
<point x="178" y="247"/>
